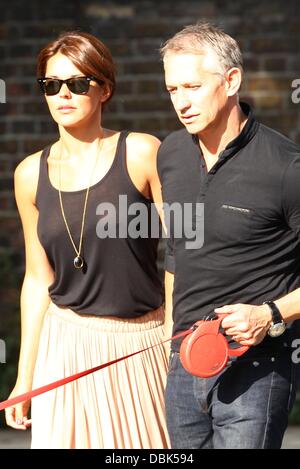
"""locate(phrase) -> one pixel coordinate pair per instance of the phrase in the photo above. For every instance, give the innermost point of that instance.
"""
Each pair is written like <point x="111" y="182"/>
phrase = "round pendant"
<point x="78" y="262"/>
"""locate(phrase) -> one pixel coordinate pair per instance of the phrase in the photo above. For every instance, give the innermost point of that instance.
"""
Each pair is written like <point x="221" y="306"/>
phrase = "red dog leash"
<point x="204" y="353"/>
<point x="56" y="384"/>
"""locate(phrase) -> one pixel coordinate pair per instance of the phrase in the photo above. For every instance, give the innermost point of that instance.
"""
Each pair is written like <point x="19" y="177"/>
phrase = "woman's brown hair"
<point x="86" y="52"/>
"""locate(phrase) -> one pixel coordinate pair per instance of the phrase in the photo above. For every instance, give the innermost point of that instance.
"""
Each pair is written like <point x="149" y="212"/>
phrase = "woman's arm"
<point x="142" y="151"/>
<point x="141" y="162"/>
<point x="34" y="295"/>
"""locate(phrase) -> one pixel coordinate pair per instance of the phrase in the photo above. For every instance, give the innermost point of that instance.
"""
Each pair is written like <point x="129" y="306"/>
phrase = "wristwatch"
<point x="278" y="325"/>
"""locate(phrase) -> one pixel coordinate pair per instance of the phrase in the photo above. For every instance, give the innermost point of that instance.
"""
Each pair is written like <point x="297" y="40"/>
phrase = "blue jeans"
<point x="244" y="406"/>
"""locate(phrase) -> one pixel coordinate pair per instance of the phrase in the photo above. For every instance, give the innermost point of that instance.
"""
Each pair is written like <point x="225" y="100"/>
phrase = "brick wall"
<point x="134" y="30"/>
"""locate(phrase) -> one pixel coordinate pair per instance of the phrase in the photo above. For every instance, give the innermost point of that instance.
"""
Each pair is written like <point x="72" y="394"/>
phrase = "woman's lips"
<point x="66" y="109"/>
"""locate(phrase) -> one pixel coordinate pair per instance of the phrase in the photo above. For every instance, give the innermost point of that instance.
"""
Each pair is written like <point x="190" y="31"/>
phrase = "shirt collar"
<point x="244" y="137"/>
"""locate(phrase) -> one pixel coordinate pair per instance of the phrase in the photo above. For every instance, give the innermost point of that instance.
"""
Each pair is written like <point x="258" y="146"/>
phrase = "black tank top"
<point x="120" y="277"/>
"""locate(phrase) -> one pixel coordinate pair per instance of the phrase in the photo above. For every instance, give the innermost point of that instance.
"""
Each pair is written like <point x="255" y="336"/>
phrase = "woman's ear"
<point x="105" y="93"/>
<point x="233" y="81"/>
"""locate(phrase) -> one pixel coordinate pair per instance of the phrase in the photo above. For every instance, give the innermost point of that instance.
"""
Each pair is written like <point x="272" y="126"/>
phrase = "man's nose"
<point x="182" y="101"/>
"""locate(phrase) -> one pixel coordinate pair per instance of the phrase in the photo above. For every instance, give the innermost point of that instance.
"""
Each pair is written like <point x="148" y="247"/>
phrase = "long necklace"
<point x="78" y="260"/>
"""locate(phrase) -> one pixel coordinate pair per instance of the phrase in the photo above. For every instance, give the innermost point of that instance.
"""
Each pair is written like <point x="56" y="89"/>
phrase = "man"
<point x="247" y="176"/>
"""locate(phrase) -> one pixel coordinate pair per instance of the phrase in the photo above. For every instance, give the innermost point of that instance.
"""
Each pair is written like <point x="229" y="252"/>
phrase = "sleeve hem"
<point x="169" y="264"/>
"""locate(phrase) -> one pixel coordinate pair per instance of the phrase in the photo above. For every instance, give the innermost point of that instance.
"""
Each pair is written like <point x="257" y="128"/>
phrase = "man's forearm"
<point x="289" y="305"/>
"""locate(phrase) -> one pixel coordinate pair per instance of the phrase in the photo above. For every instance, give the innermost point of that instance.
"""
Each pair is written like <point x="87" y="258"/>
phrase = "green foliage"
<point x="10" y="282"/>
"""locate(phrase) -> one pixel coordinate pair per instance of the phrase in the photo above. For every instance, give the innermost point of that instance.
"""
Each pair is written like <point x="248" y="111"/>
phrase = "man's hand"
<point x="246" y="324"/>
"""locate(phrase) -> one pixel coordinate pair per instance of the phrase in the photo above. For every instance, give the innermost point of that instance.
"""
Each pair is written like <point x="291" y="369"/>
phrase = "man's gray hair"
<point x="197" y="38"/>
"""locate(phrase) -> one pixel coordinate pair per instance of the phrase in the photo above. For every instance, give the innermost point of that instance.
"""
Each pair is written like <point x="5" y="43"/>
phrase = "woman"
<point x="87" y="299"/>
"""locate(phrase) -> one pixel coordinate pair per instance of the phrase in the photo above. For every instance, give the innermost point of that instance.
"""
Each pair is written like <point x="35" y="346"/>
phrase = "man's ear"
<point x="233" y="81"/>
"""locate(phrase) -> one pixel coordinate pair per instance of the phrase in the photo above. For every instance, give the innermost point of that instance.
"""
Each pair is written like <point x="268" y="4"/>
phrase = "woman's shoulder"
<point x="28" y="168"/>
<point x="143" y="140"/>
<point x="26" y="175"/>
<point x="142" y="147"/>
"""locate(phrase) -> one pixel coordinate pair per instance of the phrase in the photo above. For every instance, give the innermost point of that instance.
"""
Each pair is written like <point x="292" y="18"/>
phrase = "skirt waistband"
<point x="149" y="320"/>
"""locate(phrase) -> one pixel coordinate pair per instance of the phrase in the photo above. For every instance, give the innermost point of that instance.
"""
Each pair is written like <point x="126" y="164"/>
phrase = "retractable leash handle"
<point x="233" y="352"/>
<point x="205" y="351"/>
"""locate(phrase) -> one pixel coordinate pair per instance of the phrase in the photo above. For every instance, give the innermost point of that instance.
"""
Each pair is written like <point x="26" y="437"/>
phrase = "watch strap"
<point x="276" y="316"/>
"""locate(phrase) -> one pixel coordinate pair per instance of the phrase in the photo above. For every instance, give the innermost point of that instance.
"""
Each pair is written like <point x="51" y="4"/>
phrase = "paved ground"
<point x="14" y="439"/>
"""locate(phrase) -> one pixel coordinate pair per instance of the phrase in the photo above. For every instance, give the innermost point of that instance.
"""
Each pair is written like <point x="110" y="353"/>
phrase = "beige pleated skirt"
<point x="121" y="406"/>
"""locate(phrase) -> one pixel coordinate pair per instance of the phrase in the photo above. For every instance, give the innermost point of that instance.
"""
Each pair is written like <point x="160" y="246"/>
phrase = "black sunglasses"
<point x="77" y="85"/>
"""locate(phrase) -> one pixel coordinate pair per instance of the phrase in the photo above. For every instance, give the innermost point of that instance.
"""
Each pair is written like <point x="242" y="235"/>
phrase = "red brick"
<point x="268" y="84"/>
<point x="274" y="44"/>
<point x="275" y="64"/>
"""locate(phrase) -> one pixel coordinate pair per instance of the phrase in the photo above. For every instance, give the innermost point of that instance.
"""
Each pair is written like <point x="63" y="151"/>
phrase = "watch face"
<point x="277" y="329"/>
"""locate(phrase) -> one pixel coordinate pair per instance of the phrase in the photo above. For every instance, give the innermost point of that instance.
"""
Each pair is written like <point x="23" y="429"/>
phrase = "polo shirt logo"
<point x="237" y="209"/>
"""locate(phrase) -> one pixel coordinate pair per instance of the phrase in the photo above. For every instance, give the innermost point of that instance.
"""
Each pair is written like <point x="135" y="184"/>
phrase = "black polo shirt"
<point x="251" y="197"/>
